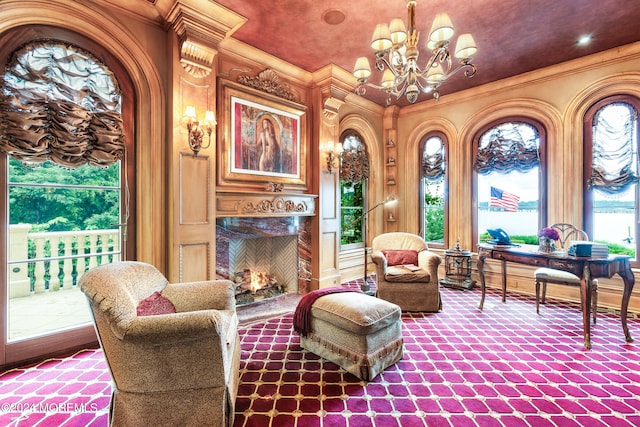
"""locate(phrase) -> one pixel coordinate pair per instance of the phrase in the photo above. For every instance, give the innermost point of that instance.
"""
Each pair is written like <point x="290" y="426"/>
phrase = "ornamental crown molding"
<point x="268" y="81"/>
<point x="200" y="33"/>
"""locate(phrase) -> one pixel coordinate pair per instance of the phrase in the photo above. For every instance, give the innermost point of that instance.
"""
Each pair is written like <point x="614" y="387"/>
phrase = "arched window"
<point x="509" y="179"/>
<point x="432" y="190"/>
<point x="63" y="144"/>
<point x="611" y="190"/>
<point x="354" y="174"/>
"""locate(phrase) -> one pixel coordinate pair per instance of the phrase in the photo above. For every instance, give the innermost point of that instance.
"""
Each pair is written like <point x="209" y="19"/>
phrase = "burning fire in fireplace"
<point x="252" y="286"/>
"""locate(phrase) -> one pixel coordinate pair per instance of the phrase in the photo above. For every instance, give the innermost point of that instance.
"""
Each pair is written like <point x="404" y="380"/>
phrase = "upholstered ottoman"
<point x="360" y="333"/>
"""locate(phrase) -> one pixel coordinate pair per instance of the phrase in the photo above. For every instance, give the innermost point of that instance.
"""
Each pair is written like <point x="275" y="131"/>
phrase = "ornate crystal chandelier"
<point x="396" y="53"/>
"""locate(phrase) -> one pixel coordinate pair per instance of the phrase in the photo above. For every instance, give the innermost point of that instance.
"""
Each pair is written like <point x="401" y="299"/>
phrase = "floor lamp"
<point x="390" y="200"/>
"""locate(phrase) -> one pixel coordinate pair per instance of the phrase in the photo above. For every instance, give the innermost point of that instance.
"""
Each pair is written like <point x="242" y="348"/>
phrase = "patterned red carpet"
<point x="504" y="366"/>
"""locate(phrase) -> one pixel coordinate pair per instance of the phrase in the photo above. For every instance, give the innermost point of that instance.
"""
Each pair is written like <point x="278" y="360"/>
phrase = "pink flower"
<point x="549" y="233"/>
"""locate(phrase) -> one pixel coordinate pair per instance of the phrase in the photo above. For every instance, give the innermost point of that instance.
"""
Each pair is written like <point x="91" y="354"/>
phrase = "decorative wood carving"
<point x="278" y="205"/>
<point x="331" y="108"/>
<point x="274" y="187"/>
<point x="264" y="204"/>
<point x="268" y="81"/>
<point x="195" y="59"/>
<point x="200" y="32"/>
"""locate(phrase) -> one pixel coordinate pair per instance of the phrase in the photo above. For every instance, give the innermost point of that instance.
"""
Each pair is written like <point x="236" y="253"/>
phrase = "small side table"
<point x="457" y="266"/>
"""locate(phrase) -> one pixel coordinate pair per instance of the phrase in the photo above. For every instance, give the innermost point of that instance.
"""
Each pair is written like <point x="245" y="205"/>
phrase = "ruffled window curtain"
<point x="615" y="156"/>
<point x="508" y="147"/>
<point x="354" y="160"/>
<point x="433" y="161"/>
<point x="59" y="103"/>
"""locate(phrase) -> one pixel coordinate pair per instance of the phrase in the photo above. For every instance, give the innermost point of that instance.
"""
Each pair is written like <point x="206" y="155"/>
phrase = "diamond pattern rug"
<point x="503" y="366"/>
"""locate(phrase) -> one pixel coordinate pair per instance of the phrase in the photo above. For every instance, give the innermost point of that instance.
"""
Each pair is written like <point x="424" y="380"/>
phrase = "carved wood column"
<point x="191" y="178"/>
<point x="326" y="225"/>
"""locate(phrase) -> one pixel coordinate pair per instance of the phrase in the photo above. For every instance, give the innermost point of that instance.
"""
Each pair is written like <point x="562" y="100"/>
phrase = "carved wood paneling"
<point x="194" y="262"/>
<point x="194" y="189"/>
<point x="264" y="204"/>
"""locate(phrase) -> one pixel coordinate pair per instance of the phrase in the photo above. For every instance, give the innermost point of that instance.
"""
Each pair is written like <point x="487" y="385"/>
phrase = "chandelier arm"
<point x="393" y="91"/>
<point x="469" y="70"/>
<point x="381" y="61"/>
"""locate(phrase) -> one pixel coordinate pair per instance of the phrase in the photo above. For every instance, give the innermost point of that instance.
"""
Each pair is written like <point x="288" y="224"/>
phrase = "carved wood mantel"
<point x="267" y="204"/>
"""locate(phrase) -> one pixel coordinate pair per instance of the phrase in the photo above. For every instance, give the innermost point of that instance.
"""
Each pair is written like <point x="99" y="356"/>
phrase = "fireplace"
<point x="260" y="255"/>
<point x="263" y="244"/>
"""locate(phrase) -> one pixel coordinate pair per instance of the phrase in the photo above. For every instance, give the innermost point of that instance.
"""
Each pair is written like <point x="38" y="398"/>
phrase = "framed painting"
<point x="264" y="138"/>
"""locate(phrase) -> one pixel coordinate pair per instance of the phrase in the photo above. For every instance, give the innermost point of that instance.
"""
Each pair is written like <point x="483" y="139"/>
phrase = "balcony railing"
<point x="50" y="261"/>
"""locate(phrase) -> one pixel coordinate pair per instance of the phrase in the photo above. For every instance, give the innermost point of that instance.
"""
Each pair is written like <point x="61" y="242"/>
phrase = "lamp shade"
<point x="209" y="118"/>
<point x="190" y="112"/>
<point x="465" y="46"/>
<point x="388" y="79"/>
<point x="442" y="28"/>
<point x="362" y="69"/>
<point x="398" y="31"/>
<point x="381" y="39"/>
<point x="435" y="74"/>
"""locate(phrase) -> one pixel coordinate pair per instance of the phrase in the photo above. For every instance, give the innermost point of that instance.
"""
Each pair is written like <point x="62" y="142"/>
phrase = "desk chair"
<point x="544" y="275"/>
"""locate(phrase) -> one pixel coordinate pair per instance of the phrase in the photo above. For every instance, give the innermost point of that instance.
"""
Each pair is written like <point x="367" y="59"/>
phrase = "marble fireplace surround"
<point x="279" y="215"/>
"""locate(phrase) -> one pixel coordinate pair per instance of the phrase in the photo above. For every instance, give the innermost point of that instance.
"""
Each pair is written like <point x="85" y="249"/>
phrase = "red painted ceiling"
<point x="513" y="36"/>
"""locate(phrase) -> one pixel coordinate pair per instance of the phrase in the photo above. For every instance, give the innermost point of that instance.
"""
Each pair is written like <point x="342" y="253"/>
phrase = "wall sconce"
<point x="333" y="153"/>
<point x="197" y="130"/>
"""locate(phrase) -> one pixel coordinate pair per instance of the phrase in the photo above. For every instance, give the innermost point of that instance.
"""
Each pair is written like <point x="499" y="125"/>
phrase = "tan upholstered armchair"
<point x="407" y="272"/>
<point x="179" y="368"/>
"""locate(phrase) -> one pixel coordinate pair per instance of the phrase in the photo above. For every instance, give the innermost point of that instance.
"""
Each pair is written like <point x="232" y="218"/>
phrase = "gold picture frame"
<point x="263" y="140"/>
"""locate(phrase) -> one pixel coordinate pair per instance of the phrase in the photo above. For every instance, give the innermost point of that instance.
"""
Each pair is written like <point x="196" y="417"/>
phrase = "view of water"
<point x="612" y="227"/>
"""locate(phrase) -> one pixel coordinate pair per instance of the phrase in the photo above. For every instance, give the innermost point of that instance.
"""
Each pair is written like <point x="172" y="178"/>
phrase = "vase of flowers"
<point x="547" y="239"/>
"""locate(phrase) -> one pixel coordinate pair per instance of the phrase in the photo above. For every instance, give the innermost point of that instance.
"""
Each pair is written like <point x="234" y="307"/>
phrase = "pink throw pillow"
<point x="155" y="304"/>
<point x="401" y="256"/>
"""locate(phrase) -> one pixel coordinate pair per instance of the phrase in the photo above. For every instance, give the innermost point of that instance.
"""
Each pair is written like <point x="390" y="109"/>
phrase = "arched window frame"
<point x="354" y="170"/>
<point x="591" y="181"/>
<point x="542" y="181"/>
<point x="14" y="38"/>
<point x="432" y="168"/>
<point x="128" y="101"/>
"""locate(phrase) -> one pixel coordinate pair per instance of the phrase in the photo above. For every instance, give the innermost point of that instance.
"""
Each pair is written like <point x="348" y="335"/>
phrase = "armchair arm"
<point x="380" y="261"/>
<point x="180" y="327"/>
<point x="429" y="261"/>
<point x="378" y="257"/>
<point x="205" y="295"/>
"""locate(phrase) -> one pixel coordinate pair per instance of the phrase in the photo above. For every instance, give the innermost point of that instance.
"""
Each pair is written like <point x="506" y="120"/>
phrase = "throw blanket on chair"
<point x="302" y="315"/>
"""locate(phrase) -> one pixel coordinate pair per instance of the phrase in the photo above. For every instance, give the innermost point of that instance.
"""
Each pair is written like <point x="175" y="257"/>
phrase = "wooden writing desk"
<point x="583" y="267"/>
